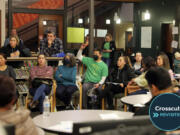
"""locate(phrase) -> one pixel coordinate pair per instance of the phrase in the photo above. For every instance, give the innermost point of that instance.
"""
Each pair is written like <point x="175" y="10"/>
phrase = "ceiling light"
<point x="118" y="21"/>
<point x="108" y="21"/>
<point x="80" y="20"/>
<point x="174" y="22"/>
<point x="146" y="15"/>
<point x="44" y="22"/>
<point x="116" y="16"/>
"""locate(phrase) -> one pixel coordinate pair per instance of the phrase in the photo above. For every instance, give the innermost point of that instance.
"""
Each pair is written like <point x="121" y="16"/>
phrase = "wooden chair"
<point x="132" y="88"/>
<point x="52" y="97"/>
<point x="116" y="97"/>
<point x="128" y="90"/>
<point x="103" y="101"/>
<point x="75" y="99"/>
<point x="80" y="97"/>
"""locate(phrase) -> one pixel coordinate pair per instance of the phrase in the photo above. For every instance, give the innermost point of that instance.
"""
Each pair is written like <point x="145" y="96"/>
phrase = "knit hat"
<point x="177" y="55"/>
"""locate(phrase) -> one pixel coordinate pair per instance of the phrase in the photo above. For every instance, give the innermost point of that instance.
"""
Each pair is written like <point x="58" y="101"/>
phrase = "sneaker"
<point x="33" y="104"/>
<point x="69" y="107"/>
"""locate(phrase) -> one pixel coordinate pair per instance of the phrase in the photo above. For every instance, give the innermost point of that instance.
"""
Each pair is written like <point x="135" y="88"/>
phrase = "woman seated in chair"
<point x="118" y="78"/>
<point x="66" y="79"/>
<point x="141" y="81"/>
<point x="41" y="71"/>
<point x="163" y="61"/>
<point x="5" y="69"/>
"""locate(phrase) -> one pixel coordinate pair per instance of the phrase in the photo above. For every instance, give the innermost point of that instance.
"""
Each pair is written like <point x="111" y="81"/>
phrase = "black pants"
<point x="64" y="93"/>
<point x="109" y="92"/>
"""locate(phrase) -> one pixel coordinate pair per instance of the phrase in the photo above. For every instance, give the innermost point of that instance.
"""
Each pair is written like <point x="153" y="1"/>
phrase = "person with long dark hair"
<point x="118" y="78"/>
<point x="163" y="61"/>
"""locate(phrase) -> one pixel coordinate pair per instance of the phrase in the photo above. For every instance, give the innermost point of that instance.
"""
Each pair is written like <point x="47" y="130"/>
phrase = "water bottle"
<point x="46" y="107"/>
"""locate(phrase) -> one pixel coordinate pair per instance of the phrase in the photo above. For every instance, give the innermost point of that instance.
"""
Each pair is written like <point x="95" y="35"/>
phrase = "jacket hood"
<point x="16" y="117"/>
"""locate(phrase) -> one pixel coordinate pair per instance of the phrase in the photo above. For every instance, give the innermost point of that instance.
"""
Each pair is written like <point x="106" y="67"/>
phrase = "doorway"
<point x="166" y="40"/>
<point x="51" y="22"/>
<point x="124" y="35"/>
<point x="0" y="28"/>
<point x="166" y="37"/>
<point x="128" y="39"/>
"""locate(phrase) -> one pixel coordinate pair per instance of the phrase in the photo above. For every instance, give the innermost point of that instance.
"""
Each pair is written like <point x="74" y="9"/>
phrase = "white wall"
<point x="3" y="25"/>
<point x="120" y="34"/>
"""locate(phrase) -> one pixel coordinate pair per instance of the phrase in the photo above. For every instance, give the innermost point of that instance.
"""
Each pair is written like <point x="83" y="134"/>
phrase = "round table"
<point x="136" y="100"/>
<point x="51" y="122"/>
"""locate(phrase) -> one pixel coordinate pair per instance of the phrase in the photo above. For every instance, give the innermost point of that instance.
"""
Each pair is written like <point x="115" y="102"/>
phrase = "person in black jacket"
<point x="5" y="69"/>
<point x="13" y="49"/>
<point x="108" y="48"/>
<point x="118" y="79"/>
<point x="14" y="33"/>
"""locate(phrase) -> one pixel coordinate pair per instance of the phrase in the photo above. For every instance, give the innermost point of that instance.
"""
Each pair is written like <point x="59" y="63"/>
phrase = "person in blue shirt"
<point x="65" y="77"/>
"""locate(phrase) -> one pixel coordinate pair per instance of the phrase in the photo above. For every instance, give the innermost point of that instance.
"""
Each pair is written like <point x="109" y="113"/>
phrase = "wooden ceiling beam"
<point x="123" y="0"/>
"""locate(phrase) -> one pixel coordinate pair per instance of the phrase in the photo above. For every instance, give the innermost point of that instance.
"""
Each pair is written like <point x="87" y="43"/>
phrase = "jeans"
<point x="64" y="93"/>
<point x="143" y="91"/>
<point x="39" y="94"/>
<point x="86" y="87"/>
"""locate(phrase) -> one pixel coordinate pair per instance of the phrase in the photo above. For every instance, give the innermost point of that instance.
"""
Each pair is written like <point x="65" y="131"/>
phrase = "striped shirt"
<point x="41" y="72"/>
